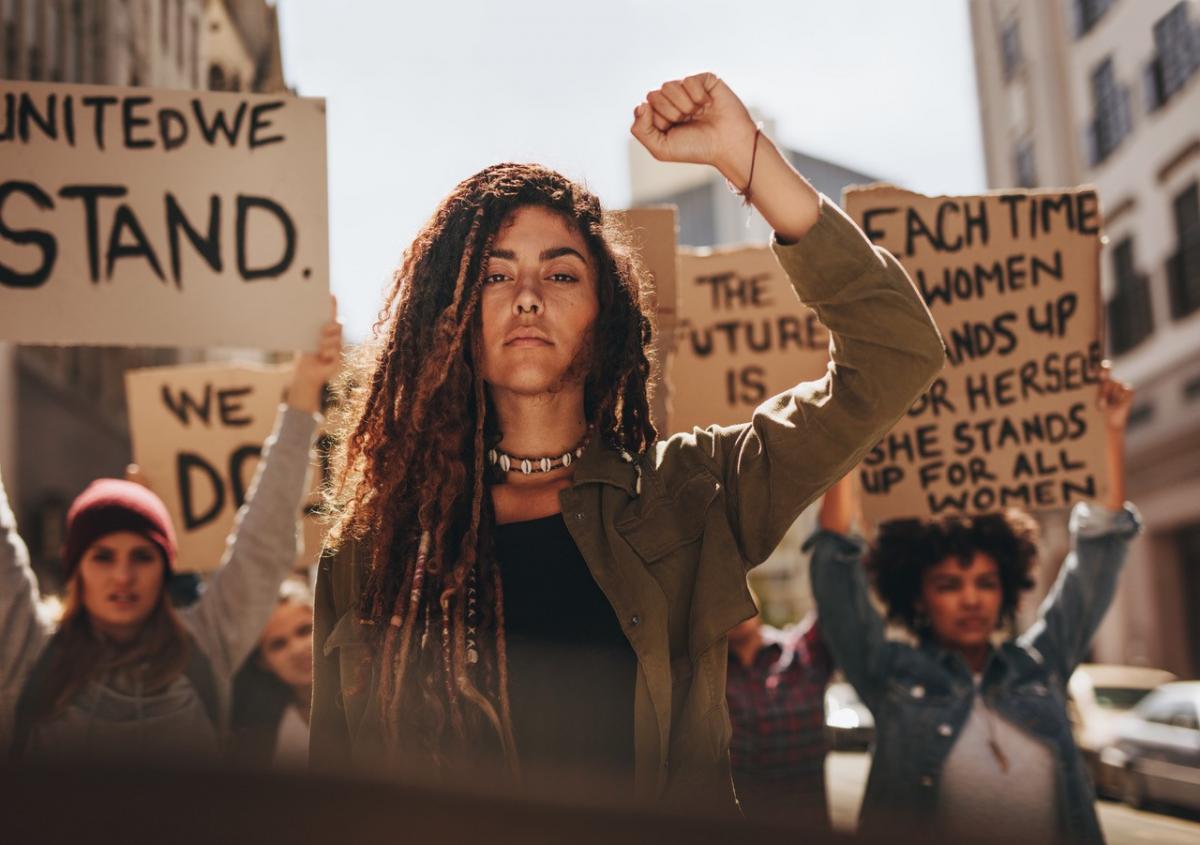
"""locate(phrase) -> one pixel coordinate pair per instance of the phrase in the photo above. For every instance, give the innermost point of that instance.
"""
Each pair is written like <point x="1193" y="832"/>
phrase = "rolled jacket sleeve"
<point x="852" y="628"/>
<point x="884" y="352"/>
<point x="1085" y="586"/>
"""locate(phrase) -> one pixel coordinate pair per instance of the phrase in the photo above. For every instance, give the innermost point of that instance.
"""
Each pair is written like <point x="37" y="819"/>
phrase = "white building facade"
<point x="1107" y="93"/>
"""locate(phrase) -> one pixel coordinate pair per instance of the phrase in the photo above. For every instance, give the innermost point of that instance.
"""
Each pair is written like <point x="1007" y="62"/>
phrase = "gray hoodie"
<point x="116" y="717"/>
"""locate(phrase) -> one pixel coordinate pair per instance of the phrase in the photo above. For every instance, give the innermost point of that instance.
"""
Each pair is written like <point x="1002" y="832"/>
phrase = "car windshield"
<point x="1120" y="698"/>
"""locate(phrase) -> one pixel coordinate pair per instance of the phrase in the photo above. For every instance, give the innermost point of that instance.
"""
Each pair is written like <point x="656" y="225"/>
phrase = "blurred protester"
<point x="973" y="741"/>
<point x="776" y="694"/>
<point x="272" y="692"/>
<point x="123" y="673"/>
<point x="533" y="581"/>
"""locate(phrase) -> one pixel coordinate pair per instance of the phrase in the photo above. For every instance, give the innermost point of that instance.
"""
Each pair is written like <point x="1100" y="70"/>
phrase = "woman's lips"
<point x="529" y="341"/>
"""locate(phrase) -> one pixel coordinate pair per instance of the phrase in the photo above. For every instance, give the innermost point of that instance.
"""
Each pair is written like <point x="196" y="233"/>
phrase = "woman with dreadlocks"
<point x="524" y="572"/>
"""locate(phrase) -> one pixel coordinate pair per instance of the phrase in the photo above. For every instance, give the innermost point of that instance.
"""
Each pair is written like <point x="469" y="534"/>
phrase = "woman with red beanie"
<point x="123" y="672"/>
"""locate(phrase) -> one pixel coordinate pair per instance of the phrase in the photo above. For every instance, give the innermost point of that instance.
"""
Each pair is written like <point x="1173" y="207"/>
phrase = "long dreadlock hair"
<point x="410" y="483"/>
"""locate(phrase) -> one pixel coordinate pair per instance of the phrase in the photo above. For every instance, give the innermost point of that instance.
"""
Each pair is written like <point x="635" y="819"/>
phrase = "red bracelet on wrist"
<point x="745" y="193"/>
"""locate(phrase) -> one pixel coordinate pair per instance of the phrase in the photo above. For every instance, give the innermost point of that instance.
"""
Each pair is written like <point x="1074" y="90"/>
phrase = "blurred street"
<point x="846" y="776"/>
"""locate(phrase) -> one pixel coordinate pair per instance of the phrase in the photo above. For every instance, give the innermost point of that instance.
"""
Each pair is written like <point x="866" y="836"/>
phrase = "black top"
<point x="571" y="671"/>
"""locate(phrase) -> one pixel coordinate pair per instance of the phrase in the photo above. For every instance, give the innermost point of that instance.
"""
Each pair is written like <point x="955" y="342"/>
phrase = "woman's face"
<point x="963" y="602"/>
<point x="539" y="305"/>
<point x="286" y="647"/>
<point x="121" y="576"/>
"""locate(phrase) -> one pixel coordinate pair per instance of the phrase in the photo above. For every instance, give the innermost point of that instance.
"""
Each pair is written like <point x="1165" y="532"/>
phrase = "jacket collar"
<point x="602" y="463"/>
<point x="954" y="662"/>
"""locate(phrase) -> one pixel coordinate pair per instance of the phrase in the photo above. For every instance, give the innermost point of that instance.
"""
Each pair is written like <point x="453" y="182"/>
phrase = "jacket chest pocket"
<point x="355" y="667"/>
<point x="669" y="520"/>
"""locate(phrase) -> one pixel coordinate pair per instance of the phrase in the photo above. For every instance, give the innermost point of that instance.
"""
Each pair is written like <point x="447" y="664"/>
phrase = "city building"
<point x="711" y="215"/>
<point x="63" y="420"/>
<point x="1107" y="93"/>
<point x="242" y="46"/>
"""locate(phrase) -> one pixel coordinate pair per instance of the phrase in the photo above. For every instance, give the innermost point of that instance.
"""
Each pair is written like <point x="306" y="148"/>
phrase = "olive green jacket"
<point x="672" y="560"/>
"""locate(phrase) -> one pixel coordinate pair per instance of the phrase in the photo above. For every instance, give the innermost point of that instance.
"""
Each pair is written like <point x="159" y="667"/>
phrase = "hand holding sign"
<point x="311" y="371"/>
<point x="1115" y="400"/>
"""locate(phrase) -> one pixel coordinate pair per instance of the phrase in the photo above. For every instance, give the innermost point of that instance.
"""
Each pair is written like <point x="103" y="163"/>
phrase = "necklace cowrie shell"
<point x="566" y="459"/>
<point x="491" y="456"/>
<point x="526" y="466"/>
<point x="546" y="462"/>
<point x="505" y="462"/>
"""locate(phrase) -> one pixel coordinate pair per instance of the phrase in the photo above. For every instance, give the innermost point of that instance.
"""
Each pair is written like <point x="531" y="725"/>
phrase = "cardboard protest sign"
<point x="198" y="432"/>
<point x="1012" y="280"/>
<point x="135" y="216"/>
<point x="741" y="336"/>
<point x="653" y="231"/>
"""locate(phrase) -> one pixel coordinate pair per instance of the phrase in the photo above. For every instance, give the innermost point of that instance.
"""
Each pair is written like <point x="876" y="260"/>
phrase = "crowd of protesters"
<point x="524" y="583"/>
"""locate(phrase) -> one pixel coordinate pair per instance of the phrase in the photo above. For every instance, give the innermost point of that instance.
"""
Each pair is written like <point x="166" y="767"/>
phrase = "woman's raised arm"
<point x="23" y="630"/>
<point x="262" y="549"/>
<point x="884" y="349"/>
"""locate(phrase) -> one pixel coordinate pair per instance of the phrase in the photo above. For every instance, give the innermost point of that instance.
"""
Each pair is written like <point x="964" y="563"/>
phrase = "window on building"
<point x="1130" y="319"/>
<point x="1140" y="414"/>
<point x="1025" y="164"/>
<point x="1111" y="120"/>
<point x="194" y="52"/>
<point x="1183" y="266"/>
<point x="79" y="27"/>
<point x="1087" y="14"/>
<point x="53" y="44"/>
<point x="216" y="78"/>
<point x="1010" y="49"/>
<point x="1177" y="55"/>
<point x="8" y="18"/>
<point x="33" y="56"/>
<point x="100" y="43"/>
<point x="697" y="216"/>
<point x="180" y="22"/>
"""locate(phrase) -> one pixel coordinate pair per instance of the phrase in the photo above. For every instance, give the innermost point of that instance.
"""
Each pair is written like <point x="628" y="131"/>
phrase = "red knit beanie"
<point x="109" y="505"/>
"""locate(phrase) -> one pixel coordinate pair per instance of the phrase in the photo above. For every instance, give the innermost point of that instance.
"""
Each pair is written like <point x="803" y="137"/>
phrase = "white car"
<point x="1099" y="695"/>
<point x="1158" y="748"/>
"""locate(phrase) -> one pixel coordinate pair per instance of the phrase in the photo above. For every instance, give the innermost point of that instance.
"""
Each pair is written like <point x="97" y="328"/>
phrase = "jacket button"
<point x="917" y="692"/>
<point x="945" y="730"/>
<point x="716" y="485"/>
<point x="579" y="516"/>
<point x="635" y="620"/>
<point x="926" y="781"/>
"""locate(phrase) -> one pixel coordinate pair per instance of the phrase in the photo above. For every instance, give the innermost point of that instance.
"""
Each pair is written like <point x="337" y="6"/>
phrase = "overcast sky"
<point x="421" y="95"/>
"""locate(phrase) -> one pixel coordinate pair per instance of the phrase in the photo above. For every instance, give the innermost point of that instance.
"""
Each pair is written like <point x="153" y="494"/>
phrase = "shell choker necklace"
<point x="532" y="465"/>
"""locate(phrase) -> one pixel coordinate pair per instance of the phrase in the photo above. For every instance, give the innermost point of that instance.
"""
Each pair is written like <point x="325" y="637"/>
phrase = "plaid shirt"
<point x="777" y="707"/>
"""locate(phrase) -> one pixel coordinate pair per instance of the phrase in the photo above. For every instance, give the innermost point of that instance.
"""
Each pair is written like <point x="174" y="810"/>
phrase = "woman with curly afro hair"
<point x="525" y="583"/>
<point x="972" y="740"/>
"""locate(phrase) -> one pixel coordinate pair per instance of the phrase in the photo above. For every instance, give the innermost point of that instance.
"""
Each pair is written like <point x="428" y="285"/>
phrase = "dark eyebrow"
<point x="547" y="255"/>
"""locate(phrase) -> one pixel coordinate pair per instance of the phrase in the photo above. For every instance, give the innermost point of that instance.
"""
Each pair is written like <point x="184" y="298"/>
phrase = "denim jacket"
<point x="922" y="696"/>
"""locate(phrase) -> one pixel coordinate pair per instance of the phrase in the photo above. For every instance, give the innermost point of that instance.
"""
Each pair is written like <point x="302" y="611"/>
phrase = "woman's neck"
<point x="119" y="635"/>
<point x="303" y="698"/>
<point x="543" y="425"/>
<point x="975" y="656"/>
